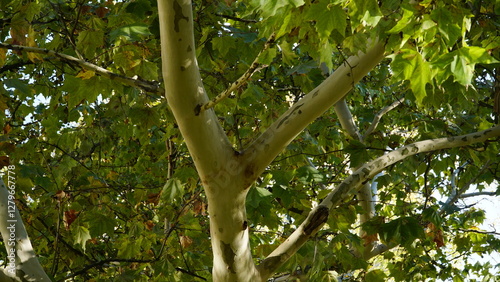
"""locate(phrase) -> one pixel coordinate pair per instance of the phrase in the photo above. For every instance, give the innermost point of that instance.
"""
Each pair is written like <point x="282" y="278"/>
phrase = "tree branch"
<point x="475" y="194"/>
<point x="379" y="115"/>
<point x="254" y="67"/>
<point x="204" y="136"/>
<point x="270" y="143"/>
<point x="141" y="84"/>
<point x="313" y="222"/>
<point x="458" y="193"/>
<point x="346" y="120"/>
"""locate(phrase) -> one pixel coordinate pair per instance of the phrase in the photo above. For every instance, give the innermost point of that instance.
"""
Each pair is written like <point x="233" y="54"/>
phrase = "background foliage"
<point x="107" y="188"/>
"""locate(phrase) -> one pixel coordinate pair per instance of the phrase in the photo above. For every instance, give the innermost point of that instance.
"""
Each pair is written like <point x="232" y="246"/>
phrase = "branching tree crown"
<point x="248" y="140"/>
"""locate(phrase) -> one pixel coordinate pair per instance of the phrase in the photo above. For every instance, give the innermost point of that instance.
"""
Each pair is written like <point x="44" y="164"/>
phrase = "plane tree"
<point x="248" y="140"/>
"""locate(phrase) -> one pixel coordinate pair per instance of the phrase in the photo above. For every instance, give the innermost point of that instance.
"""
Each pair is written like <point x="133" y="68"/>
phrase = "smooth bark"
<point x="24" y="263"/>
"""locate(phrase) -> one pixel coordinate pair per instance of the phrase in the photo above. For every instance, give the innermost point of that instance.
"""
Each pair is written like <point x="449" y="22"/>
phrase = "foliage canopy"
<point x="107" y="187"/>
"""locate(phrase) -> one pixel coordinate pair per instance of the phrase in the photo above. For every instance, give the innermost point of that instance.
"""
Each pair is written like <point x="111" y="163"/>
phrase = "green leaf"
<point x="447" y="26"/>
<point x="287" y="53"/>
<point x="328" y="17"/>
<point x="404" y="22"/>
<point x="132" y="32"/>
<point x="147" y="70"/>
<point x="364" y="12"/>
<point x="267" y="56"/>
<point x="81" y="234"/>
<point x="297" y="3"/>
<point x="89" y="40"/>
<point x="269" y="8"/>
<point x="416" y="70"/>
<point x="462" y="70"/>
<point x="171" y="190"/>
<point x="376" y="275"/>
<point x="101" y="224"/>
<point x="20" y="86"/>
<point x="255" y="196"/>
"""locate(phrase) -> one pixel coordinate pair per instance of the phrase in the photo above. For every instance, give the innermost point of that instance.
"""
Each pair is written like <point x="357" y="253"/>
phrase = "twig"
<point x="475" y="194"/>
<point x="134" y="82"/>
<point x="254" y="67"/>
<point x="379" y="115"/>
<point x="236" y="19"/>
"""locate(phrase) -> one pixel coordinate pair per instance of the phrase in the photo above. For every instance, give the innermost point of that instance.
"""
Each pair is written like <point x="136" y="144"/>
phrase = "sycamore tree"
<point x="248" y="140"/>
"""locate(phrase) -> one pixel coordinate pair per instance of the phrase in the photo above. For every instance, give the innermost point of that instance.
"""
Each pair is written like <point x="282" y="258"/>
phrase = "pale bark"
<point x="224" y="179"/>
<point x="25" y="265"/>
<point x="227" y="174"/>
<point x="268" y="145"/>
<point x="365" y="196"/>
<point x="319" y="215"/>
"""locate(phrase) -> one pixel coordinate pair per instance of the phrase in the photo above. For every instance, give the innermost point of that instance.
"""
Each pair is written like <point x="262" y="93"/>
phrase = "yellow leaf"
<point x="85" y="74"/>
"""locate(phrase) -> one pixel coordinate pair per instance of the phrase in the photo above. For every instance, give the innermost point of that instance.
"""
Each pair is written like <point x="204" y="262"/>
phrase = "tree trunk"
<point x="22" y="263"/>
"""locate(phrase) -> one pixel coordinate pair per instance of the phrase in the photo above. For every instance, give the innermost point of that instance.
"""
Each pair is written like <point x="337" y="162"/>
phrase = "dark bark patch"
<point x="228" y="256"/>
<point x="319" y="217"/>
<point x="249" y="170"/>
<point x="178" y="16"/>
<point x="295" y="109"/>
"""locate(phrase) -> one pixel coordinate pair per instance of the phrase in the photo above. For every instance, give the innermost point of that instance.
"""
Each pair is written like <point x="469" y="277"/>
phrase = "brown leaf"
<point x="185" y="241"/>
<point x="101" y="12"/>
<point x="199" y="207"/>
<point x="436" y="234"/>
<point x="153" y="198"/>
<point x="69" y="217"/>
<point x="7" y="129"/>
<point x="4" y="161"/>
<point x="149" y="225"/>
<point x="60" y="195"/>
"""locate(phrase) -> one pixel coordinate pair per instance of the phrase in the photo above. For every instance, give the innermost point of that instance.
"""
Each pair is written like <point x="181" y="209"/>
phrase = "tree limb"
<point x="204" y="136"/>
<point x="270" y="143"/>
<point x="134" y="82"/>
<point x="379" y="115"/>
<point x="346" y="120"/>
<point x="475" y="194"/>
<point x="366" y="172"/>
<point x="20" y="252"/>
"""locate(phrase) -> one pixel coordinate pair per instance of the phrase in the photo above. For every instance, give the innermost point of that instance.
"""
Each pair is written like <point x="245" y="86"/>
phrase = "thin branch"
<point x="237" y="19"/>
<point x="479" y="231"/>
<point x="475" y="194"/>
<point x="254" y="67"/>
<point x="379" y="115"/>
<point x="134" y="82"/>
<point x="457" y="194"/>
